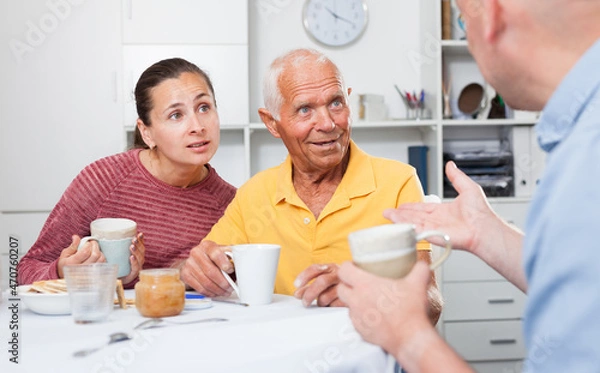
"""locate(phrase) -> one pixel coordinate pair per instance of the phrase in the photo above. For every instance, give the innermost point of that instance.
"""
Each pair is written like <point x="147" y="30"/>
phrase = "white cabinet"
<point x="487" y="340"/>
<point x="490" y="300"/>
<point x="226" y="66"/>
<point x="212" y="35"/>
<point x="60" y="104"/>
<point x="482" y="317"/>
<point x="185" y="22"/>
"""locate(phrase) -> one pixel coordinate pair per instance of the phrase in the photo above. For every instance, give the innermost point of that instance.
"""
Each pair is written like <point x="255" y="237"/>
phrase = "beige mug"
<point x="114" y="236"/>
<point x="390" y="250"/>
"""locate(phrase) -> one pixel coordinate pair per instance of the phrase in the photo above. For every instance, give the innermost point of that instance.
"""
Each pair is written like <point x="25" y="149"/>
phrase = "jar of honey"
<point x="159" y="293"/>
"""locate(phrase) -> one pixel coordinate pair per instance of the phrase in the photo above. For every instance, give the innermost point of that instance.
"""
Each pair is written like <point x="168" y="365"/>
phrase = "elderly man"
<point x="539" y="54"/>
<point x="326" y="188"/>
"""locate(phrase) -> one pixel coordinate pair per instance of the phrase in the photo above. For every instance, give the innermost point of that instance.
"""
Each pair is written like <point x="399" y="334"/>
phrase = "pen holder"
<point x="418" y="113"/>
<point x="423" y="113"/>
<point x="415" y="105"/>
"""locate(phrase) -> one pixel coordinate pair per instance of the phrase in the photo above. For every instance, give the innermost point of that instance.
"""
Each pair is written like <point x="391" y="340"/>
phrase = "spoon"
<point x="156" y="322"/>
<point x="147" y="324"/>
<point x="113" y="338"/>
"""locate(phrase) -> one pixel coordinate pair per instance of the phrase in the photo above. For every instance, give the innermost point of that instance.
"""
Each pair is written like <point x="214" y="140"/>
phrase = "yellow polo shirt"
<point x="266" y="209"/>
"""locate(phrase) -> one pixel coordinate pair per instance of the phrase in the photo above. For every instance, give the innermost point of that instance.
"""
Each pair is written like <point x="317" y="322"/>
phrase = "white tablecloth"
<point x="281" y="337"/>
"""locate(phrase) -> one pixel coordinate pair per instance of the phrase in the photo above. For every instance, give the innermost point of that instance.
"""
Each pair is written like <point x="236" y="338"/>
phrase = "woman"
<point x="165" y="183"/>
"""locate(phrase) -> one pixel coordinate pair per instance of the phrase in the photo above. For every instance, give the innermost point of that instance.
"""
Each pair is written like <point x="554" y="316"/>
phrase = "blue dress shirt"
<point x="562" y="243"/>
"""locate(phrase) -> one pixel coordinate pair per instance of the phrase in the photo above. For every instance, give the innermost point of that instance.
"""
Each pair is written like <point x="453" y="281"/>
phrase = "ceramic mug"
<point x="114" y="236"/>
<point x="255" y="270"/>
<point x="390" y="250"/>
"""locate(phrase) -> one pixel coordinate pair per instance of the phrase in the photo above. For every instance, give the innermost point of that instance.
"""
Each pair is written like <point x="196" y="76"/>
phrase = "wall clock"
<point x="335" y="23"/>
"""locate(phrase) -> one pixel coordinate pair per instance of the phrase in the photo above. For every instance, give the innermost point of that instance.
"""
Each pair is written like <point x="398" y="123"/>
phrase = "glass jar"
<point x="159" y="293"/>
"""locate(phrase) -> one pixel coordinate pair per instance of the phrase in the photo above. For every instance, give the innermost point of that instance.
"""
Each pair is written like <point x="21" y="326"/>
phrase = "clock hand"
<point x="345" y="20"/>
<point x="332" y="13"/>
<point x="339" y="17"/>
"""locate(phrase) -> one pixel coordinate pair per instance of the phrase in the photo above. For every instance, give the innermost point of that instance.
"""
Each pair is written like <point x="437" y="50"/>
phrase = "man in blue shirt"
<point x="539" y="55"/>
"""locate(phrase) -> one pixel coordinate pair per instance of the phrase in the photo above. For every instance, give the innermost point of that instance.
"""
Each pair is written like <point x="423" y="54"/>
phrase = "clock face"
<point x="335" y="22"/>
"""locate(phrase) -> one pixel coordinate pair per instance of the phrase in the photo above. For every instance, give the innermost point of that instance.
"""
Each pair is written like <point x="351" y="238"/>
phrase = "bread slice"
<point x="57" y="286"/>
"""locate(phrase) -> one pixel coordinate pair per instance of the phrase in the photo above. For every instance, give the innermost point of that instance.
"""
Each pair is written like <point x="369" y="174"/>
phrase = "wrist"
<point x="416" y="345"/>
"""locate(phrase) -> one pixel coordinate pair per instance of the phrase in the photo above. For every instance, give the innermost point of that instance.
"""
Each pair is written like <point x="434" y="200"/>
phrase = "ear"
<point x="269" y="121"/>
<point x="349" y="91"/>
<point x="146" y="133"/>
<point x="494" y="22"/>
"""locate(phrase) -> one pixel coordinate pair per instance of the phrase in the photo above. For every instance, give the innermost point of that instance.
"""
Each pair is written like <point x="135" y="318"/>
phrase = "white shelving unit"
<point x="483" y="312"/>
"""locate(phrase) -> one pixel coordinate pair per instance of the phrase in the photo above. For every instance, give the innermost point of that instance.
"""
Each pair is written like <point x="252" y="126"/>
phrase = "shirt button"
<point x="306" y="220"/>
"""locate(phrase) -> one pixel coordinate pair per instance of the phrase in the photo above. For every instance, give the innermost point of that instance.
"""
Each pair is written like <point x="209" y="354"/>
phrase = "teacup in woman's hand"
<point x="114" y="236"/>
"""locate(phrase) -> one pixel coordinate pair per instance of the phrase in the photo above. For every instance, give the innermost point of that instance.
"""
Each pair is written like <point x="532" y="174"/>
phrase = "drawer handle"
<point x="501" y="300"/>
<point x="506" y="341"/>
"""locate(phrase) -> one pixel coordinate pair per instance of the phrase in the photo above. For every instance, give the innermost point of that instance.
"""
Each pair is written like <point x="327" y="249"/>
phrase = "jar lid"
<point x="160" y="272"/>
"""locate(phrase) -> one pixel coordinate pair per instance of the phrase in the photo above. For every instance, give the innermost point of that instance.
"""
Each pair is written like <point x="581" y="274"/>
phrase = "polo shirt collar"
<point x="349" y="187"/>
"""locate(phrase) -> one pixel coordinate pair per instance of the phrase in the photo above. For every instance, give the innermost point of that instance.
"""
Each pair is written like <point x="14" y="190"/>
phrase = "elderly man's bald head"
<point x="289" y="61"/>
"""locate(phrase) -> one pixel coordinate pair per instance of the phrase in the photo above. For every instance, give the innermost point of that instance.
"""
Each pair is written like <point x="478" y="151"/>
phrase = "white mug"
<point x="255" y="270"/>
<point x="390" y="250"/>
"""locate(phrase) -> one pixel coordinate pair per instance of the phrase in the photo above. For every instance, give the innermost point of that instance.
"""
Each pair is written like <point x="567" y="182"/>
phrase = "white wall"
<point x="373" y="64"/>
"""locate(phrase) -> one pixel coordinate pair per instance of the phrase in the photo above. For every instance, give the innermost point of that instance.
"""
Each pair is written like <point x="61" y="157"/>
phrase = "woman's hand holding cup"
<point x="136" y="259"/>
<point x="88" y="254"/>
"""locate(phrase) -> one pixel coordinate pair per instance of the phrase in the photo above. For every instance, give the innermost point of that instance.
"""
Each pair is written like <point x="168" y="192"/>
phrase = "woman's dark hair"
<point x="170" y="68"/>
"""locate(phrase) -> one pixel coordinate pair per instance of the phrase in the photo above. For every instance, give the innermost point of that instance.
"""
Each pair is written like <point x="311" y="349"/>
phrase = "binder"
<point x="417" y="157"/>
<point x="538" y="159"/>
<point x="446" y="20"/>
<point x="522" y="161"/>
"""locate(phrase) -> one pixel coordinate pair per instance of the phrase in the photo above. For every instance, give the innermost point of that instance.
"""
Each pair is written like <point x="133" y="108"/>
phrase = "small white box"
<point x="372" y="107"/>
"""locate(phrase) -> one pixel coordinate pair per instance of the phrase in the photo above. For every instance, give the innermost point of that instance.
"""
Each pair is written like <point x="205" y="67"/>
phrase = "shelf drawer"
<point x="482" y="301"/>
<point x="486" y="340"/>
<point x="509" y="366"/>
<point x="513" y="212"/>
<point x="464" y="266"/>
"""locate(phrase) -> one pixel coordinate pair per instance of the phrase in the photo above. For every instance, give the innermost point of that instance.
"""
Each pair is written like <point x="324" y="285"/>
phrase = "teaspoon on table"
<point x="113" y="338"/>
<point x="147" y="324"/>
<point x="157" y="322"/>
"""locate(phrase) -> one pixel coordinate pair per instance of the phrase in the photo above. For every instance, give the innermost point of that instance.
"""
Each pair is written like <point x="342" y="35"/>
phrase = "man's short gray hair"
<point x="271" y="91"/>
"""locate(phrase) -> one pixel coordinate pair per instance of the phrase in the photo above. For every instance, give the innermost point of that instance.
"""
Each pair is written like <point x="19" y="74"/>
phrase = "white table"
<point x="280" y="337"/>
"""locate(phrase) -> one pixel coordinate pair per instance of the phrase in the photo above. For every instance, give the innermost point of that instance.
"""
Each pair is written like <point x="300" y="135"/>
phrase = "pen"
<point x="398" y="90"/>
<point x="194" y="296"/>
<point x="402" y="96"/>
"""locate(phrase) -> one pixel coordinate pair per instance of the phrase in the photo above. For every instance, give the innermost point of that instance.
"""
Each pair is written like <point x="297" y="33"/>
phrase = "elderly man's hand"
<point x="323" y="288"/>
<point x="202" y="270"/>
